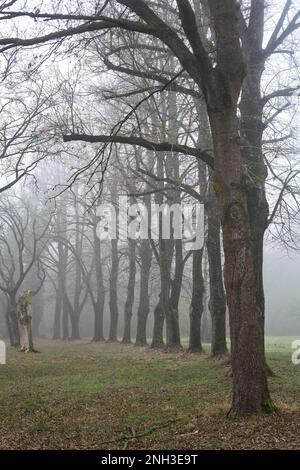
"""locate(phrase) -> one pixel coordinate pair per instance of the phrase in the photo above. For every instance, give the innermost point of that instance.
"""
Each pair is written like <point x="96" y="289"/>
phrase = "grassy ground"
<point x="84" y="396"/>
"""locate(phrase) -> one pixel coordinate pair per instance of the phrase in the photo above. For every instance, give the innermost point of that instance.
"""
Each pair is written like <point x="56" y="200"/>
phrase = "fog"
<point x="282" y="277"/>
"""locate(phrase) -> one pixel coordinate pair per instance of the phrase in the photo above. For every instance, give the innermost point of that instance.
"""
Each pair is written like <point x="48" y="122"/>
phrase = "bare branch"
<point x="141" y="142"/>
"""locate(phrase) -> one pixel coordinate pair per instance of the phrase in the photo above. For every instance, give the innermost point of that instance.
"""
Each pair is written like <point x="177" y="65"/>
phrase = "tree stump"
<point x="24" y="313"/>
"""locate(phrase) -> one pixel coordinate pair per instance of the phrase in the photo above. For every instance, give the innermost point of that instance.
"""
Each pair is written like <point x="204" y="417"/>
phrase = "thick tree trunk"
<point x="74" y="320"/>
<point x="159" y="318"/>
<point x="57" y="314"/>
<point x="175" y="295"/>
<point x="143" y="309"/>
<point x="100" y="302"/>
<point x="196" y="308"/>
<point x="12" y="322"/>
<point x="65" y="321"/>
<point x="223" y="86"/>
<point x="165" y="273"/>
<point x="250" y="391"/>
<point x="74" y="313"/>
<point x="217" y="302"/>
<point x="98" y="321"/>
<point x="252" y="128"/>
<point x="60" y="308"/>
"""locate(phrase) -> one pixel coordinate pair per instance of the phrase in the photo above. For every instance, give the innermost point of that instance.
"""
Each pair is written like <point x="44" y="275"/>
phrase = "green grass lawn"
<point x="83" y="395"/>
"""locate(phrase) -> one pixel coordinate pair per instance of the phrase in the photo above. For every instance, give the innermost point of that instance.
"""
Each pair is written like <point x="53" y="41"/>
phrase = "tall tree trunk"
<point x="113" y="292"/>
<point x="63" y="275"/>
<point x="173" y="246"/>
<point x="75" y="315"/>
<point x="250" y="388"/>
<point x="100" y="300"/>
<point x="98" y="320"/>
<point x="79" y="235"/>
<point x="222" y="89"/>
<point x="57" y="312"/>
<point x="196" y="308"/>
<point x="165" y="277"/>
<point x="74" y="320"/>
<point x="60" y="307"/>
<point x="12" y="321"/>
<point x="176" y="284"/>
<point x="217" y="302"/>
<point x="250" y="391"/>
<point x="65" y="320"/>
<point x="159" y="318"/>
<point x="143" y="309"/>
<point x="130" y="292"/>
<point x="252" y="129"/>
<point x="163" y="262"/>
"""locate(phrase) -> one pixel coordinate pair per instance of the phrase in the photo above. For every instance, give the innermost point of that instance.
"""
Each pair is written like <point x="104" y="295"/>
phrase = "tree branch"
<point x="105" y="23"/>
<point x="276" y="40"/>
<point x="168" y="36"/>
<point x="188" y="21"/>
<point x="141" y="142"/>
<point x="151" y="76"/>
<point x="278" y="93"/>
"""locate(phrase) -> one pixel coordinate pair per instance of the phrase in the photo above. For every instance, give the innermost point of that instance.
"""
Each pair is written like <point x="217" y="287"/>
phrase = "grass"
<point x="110" y="396"/>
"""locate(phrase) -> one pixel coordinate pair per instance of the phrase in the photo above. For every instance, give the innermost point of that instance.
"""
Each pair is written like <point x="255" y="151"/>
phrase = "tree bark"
<point x="143" y="309"/>
<point x="74" y="320"/>
<point x="57" y="313"/>
<point x="217" y="302"/>
<point x="176" y="285"/>
<point x="252" y="129"/>
<point x="113" y="289"/>
<point x="170" y="289"/>
<point x="130" y="292"/>
<point x="61" y="277"/>
<point x="65" y="320"/>
<point x="65" y="300"/>
<point x="159" y="318"/>
<point x="100" y="300"/>
<point x="12" y="321"/>
<point x="250" y="391"/>
<point x="217" y="298"/>
<point x="79" y="233"/>
<point x="196" y="308"/>
<point x="222" y="89"/>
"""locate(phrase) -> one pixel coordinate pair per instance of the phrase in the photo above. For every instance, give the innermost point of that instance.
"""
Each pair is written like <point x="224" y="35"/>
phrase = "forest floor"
<point x="80" y="395"/>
